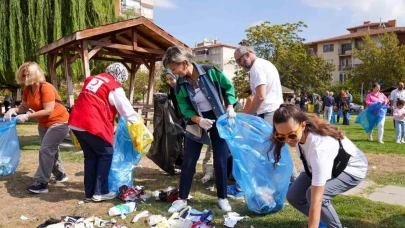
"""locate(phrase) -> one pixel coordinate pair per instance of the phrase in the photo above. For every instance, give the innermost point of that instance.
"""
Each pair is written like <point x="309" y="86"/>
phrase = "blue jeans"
<point x="192" y="150"/>
<point x="400" y="129"/>
<point x="98" y="156"/>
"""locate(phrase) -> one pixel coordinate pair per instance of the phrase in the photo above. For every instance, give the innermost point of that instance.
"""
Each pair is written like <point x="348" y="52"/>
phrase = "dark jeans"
<point x="345" y="119"/>
<point x="98" y="156"/>
<point x="6" y="105"/>
<point x="192" y="152"/>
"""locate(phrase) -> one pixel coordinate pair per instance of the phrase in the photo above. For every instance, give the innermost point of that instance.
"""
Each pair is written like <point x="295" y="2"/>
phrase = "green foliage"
<point x="383" y="61"/>
<point x="282" y="45"/>
<point x="28" y="25"/>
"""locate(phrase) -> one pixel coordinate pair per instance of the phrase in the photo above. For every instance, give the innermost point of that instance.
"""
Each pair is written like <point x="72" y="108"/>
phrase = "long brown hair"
<point x="314" y="124"/>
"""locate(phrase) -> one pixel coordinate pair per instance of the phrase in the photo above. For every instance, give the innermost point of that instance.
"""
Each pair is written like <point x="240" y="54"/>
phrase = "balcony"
<point x="347" y="67"/>
<point x="345" y="52"/>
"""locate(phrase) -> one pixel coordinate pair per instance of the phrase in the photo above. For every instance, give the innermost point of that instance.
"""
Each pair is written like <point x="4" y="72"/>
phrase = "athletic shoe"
<point x="38" y="187"/>
<point x="108" y="196"/>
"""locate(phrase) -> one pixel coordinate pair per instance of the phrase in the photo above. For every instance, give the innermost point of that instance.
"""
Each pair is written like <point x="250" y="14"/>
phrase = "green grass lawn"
<point x="356" y="133"/>
<point x="354" y="211"/>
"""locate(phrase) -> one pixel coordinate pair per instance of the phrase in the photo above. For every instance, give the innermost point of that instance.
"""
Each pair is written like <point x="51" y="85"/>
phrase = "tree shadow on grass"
<point x="17" y="186"/>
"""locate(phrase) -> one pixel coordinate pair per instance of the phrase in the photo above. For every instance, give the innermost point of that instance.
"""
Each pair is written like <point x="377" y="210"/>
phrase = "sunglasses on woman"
<point x="292" y="135"/>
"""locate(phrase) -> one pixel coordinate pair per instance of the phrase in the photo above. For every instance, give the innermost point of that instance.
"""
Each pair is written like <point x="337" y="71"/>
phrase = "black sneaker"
<point x="39" y="187"/>
<point x="61" y="179"/>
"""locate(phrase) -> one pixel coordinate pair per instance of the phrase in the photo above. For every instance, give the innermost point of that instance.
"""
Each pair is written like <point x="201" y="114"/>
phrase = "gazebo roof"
<point x="119" y="39"/>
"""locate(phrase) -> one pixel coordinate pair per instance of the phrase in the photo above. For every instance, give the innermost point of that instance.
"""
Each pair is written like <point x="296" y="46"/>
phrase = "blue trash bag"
<point x="125" y="158"/>
<point x="332" y="118"/>
<point x="9" y="147"/>
<point x="371" y="116"/>
<point x="248" y="138"/>
<point x="340" y="113"/>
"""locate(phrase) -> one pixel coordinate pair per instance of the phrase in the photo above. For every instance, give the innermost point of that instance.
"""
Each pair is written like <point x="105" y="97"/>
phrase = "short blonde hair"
<point x="33" y="69"/>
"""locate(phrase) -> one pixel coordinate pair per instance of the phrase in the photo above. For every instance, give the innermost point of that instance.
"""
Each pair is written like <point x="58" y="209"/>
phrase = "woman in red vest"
<point x="92" y="121"/>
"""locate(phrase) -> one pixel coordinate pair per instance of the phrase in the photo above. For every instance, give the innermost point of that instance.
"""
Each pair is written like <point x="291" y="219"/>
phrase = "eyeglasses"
<point x="282" y="137"/>
<point x="238" y="60"/>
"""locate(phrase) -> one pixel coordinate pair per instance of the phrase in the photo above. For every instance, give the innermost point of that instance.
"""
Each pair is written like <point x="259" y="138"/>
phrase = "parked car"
<point x="356" y="107"/>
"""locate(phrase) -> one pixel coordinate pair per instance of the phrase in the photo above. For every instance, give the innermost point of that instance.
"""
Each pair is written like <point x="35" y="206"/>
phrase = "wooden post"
<point x="151" y="82"/>
<point x="85" y="59"/>
<point x="134" y="69"/>
<point x="52" y="68"/>
<point x="134" y="38"/>
<point x="68" y="76"/>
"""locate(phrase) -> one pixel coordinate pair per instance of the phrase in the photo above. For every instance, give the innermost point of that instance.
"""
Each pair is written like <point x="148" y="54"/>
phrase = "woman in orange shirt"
<point x="52" y="118"/>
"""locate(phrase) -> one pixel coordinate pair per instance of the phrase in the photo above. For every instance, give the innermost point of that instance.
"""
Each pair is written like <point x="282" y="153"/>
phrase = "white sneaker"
<point x="402" y="141"/>
<point x="398" y="142"/>
<point x="224" y="205"/>
<point x="380" y="141"/>
<point x="177" y="206"/>
<point x="108" y="196"/>
<point x="370" y="138"/>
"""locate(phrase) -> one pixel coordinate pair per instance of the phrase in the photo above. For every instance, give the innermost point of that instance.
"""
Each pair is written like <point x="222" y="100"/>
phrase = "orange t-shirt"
<point x="48" y="94"/>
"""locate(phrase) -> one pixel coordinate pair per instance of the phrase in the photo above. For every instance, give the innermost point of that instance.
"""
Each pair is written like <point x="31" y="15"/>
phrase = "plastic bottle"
<point x="125" y="208"/>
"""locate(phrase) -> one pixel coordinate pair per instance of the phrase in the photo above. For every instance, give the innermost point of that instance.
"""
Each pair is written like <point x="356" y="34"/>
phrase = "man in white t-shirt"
<point x="264" y="83"/>
<point x="396" y="94"/>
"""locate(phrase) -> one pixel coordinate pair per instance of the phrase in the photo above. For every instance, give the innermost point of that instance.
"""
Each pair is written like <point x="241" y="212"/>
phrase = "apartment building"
<point x="338" y="50"/>
<point x="139" y="7"/>
<point x="218" y="53"/>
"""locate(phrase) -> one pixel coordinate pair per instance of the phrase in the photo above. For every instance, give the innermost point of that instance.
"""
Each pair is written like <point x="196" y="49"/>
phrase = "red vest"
<point x="92" y="111"/>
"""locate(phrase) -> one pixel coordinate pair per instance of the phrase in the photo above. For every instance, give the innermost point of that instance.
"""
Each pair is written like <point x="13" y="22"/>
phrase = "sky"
<point x="191" y="21"/>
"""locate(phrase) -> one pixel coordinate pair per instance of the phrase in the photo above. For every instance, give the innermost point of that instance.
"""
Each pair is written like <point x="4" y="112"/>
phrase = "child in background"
<point x="399" y="117"/>
<point x="318" y="106"/>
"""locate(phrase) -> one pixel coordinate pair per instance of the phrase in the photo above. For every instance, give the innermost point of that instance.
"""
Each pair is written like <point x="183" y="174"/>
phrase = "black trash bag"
<point x="167" y="135"/>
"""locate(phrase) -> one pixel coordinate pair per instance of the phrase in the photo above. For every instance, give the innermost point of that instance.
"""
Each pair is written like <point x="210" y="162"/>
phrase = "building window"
<point x="347" y="47"/>
<point x="341" y="78"/>
<point x="147" y="11"/>
<point x="310" y="51"/>
<point x="216" y="51"/>
<point x="202" y="52"/>
<point x="328" y="48"/>
<point x="329" y="61"/>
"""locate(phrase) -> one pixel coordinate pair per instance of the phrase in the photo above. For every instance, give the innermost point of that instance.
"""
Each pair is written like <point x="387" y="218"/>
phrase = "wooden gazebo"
<point x="135" y="42"/>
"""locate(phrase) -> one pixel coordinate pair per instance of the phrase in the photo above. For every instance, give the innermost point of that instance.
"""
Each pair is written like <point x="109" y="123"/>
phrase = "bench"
<point x="146" y="112"/>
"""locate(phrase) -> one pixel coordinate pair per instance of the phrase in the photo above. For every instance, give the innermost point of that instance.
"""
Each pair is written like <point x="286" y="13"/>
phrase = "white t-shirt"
<point x="395" y="94"/>
<point x="320" y="152"/>
<point x="264" y="72"/>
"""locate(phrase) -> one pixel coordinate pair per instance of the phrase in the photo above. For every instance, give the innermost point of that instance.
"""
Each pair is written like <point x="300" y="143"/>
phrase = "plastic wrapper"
<point x="125" y="158"/>
<point x="168" y="135"/>
<point x="248" y="138"/>
<point x="140" y="134"/>
<point x="371" y="116"/>
<point x="9" y="147"/>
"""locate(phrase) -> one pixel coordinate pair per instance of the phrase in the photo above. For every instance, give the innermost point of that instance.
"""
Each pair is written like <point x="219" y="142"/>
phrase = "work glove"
<point x="22" y="118"/>
<point x="9" y="114"/>
<point x="231" y="112"/>
<point x="206" y="124"/>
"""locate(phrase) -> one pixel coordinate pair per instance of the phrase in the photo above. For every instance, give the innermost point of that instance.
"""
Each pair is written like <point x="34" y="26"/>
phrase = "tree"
<point x="31" y="24"/>
<point x="282" y="45"/>
<point x="383" y="61"/>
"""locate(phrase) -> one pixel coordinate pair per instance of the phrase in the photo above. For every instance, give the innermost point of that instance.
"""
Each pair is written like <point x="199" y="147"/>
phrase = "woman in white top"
<point x="333" y="164"/>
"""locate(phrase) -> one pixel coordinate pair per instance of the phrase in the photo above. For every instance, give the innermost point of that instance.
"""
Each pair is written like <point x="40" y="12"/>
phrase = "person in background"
<point x="337" y="105"/>
<point x="304" y="102"/>
<point x="52" y="117"/>
<point x="201" y="92"/>
<point x="7" y="102"/>
<point x="264" y="82"/>
<point x="328" y="103"/>
<point x="373" y="97"/>
<point x="349" y="96"/>
<point x="171" y="80"/>
<point x="318" y="143"/>
<point x="398" y="93"/>
<point x="92" y="121"/>
<point x="318" y="106"/>
<point x="399" y="117"/>
<point x="344" y="105"/>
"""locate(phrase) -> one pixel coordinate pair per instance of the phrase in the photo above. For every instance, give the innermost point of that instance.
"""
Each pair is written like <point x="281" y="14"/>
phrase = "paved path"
<point x="386" y="194"/>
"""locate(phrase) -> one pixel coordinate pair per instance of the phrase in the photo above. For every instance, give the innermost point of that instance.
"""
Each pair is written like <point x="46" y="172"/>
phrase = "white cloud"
<point x="365" y="10"/>
<point x="256" y="23"/>
<point x="164" y="4"/>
